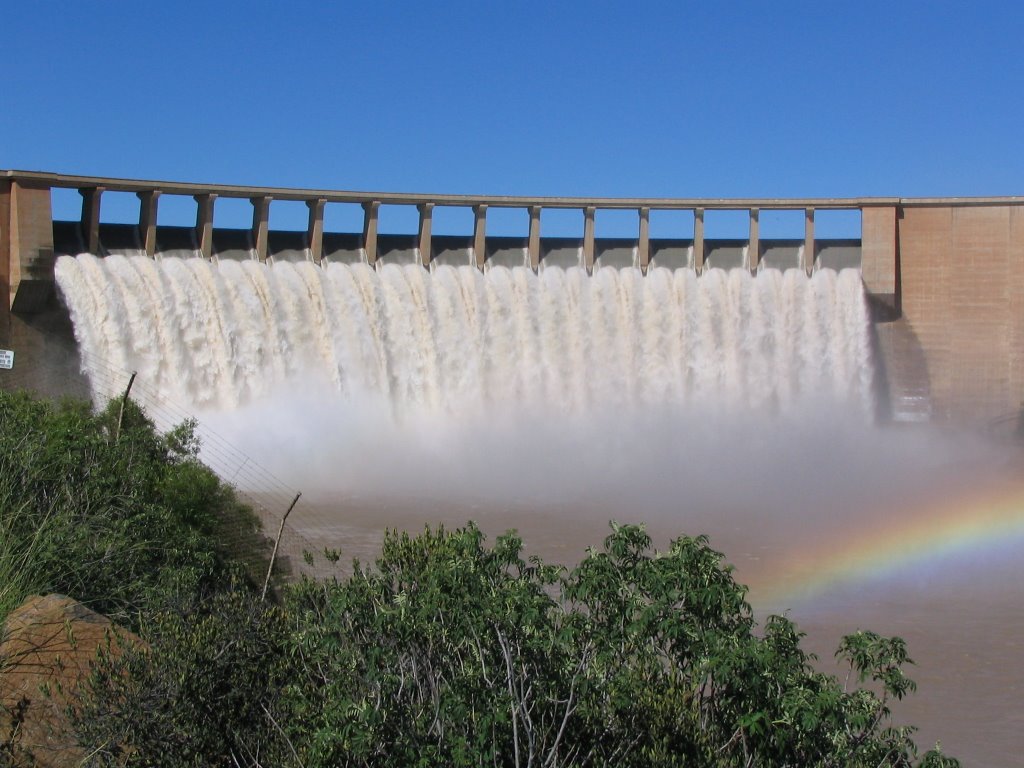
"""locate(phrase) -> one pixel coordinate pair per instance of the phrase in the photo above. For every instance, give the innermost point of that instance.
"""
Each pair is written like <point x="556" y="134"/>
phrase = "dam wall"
<point x="961" y="292"/>
<point x="942" y="276"/>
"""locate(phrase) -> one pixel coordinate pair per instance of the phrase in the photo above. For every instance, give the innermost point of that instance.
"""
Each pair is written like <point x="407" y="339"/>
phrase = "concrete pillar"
<point x="91" y="218"/>
<point x="147" y="219"/>
<point x="370" y="210"/>
<point x="26" y="248"/>
<point x="809" y="240"/>
<point x="534" y="241"/>
<point x="260" y="224"/>
<point x="698" y="240"/>
<point x="879" y="268"/>
<point x="315" y="230"/>
<point x="754" y="248"/>
<point x="480" y="234"/>
<point x="6" y="246"/>
<point x="426" y="213"/>
<point x="643" y="248"/>
<point x="588" y="237"/>
<point x="204" y="223"/>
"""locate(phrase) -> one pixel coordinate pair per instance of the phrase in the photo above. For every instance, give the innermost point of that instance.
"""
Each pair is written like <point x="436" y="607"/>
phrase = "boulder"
<point x="47" y="648"/>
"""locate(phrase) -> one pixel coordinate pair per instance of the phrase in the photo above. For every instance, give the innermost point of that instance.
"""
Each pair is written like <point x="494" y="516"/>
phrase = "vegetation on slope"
<point x="101" y="507"/>
<point x="446" y="651"/>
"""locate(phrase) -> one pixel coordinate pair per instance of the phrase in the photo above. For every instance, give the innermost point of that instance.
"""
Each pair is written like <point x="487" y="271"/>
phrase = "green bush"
<point x="206" y="691"/>
<point x="101" y="507"/>
<point x="453" y="653"/>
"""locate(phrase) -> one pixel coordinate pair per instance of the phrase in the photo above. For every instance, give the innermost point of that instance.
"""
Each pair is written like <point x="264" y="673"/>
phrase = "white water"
<point x="221" y="335"/>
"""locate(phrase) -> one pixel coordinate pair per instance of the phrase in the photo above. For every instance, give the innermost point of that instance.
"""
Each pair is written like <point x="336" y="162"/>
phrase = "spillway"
<point x="218" y="335"/>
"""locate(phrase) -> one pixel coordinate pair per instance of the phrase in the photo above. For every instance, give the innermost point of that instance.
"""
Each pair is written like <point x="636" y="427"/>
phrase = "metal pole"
<point x="277" y="543"/>
<point x="124" y="401"/>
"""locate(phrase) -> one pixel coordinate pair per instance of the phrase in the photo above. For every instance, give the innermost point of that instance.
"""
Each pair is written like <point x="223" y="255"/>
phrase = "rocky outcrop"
<point x="47" y="647"/>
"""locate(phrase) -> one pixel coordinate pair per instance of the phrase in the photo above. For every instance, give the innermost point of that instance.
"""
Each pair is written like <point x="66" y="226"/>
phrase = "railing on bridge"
<point x="206" y="196"/>
<point x="27" y="230"/>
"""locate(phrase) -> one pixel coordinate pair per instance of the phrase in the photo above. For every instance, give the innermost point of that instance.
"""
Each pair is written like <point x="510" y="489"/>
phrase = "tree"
<point x="452" y="652"/>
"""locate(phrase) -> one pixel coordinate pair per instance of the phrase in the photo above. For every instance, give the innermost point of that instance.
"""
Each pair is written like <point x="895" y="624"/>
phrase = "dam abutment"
<point x="942" y="276"/>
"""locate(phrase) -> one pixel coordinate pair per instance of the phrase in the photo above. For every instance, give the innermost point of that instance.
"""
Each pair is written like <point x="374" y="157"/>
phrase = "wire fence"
<point x="51" y="366"/>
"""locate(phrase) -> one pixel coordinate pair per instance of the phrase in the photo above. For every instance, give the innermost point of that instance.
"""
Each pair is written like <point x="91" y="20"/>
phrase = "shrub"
<point x="105" y="509"/>
<point x="450" y="652"/>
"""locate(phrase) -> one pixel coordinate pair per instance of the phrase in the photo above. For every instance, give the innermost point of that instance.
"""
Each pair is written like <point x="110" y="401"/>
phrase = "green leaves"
<point x="880" y="659"/>
<point x="470" y="655"/>
<point x="123" y="525"/>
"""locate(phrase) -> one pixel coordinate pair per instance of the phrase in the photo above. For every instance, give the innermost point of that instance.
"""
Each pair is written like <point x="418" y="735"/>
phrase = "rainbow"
<point x="971" y="520"/>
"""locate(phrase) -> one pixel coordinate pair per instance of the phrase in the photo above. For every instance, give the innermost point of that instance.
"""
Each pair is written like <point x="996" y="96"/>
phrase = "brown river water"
<point x="940" y="567"/>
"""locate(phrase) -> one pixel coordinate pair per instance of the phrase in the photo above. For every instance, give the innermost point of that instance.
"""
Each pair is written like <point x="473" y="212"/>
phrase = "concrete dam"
<point x="919" y="318"/>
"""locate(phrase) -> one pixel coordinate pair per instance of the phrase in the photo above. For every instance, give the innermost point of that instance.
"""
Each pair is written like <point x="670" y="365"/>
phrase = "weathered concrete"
<point x="426" y="217"/>
<point x="480" y="234"/>
<point x="534" y="246"/>
<point x="754" y="241"/>
<point x="588" y="237"/>
<point x="147" y="219"/>
<point x="91" y="199"/>
<point x="7" y="241"/>
<point x="809" y="244"/>
<point x="643" y="247"/>
<point x="371" y="211"/>
<point x="204" y="223"/>
<point x="315" y="229"/>
<point x="961" y="292"/>
<point x="26" y="246"/>
<point x="879" y="263"/>
<point x="260" y="225"/>
<point x="698" y="240"/>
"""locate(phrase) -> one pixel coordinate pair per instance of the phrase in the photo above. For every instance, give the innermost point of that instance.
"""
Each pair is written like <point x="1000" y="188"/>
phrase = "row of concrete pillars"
<point x="149" y="200"/>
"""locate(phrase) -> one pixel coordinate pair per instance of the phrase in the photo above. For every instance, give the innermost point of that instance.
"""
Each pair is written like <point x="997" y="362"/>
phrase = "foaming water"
<point x="224" y="334"/>
<point x="728" y="404"/>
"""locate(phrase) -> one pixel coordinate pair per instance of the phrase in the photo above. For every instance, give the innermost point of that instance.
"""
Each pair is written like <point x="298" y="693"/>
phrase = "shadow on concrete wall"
<point x="902" y="384"/>
<point x="46" y="358"/>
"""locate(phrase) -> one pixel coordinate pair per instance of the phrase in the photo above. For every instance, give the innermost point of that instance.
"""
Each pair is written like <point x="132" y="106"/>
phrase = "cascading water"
<point x="220" y="335"/>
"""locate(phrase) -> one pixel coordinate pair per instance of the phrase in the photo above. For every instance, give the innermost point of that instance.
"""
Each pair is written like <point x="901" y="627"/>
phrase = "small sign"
<point x="6" y="358"/>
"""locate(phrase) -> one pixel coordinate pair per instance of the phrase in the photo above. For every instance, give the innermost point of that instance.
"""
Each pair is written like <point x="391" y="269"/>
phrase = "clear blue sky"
<point x="717" y="99"/>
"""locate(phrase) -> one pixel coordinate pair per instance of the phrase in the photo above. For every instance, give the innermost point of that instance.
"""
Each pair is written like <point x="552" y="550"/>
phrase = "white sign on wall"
<point x="6" y="358"/>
